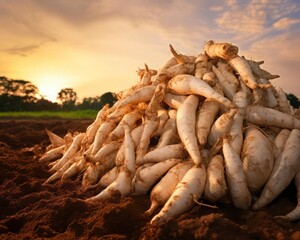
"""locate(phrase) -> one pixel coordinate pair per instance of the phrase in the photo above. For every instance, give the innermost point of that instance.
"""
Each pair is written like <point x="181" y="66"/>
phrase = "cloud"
<point x="189" y="20"/>
<point x="254" y="19"/>
<point x="240" y="23"/>
<point x="27" y="50"/>
<point x="81" y="12"/>
<point x="284" y="23"/>
<point x="231" y="3"/>
<point x="39" y="20"/>
<point x="23" y="25"/>
<point x="282" y="47"/>
<point x="76" y="12"/>
<point x="281" y="8"/>
<point x="243" y="22"/>
<point x="215" y="8"/>
<point x="23" y="51"/>
<point x="281" y="57"/>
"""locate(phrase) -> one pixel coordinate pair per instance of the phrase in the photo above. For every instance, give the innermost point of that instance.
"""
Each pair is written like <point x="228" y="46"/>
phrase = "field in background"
<point x="79" y="114"/>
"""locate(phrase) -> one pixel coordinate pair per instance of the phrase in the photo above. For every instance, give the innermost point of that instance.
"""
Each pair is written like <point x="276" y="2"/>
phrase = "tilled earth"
<point x="30" y="210"/>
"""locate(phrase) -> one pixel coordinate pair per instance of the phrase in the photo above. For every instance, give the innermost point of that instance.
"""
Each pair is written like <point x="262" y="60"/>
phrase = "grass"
<point x="78" y="114"/>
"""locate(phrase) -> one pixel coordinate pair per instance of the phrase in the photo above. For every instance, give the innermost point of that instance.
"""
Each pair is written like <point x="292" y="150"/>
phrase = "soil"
<point x="30" y="210"/>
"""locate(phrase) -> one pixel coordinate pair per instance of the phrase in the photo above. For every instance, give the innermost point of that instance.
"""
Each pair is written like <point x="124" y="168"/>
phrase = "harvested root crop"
<point x="205" y="126"/>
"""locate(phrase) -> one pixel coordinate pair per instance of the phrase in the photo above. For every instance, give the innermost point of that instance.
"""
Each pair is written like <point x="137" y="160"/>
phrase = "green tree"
<point x="90" y="103"/>
<point x="109" y="98"/>
<point x="44" y="104"/>
<point x="294" y="101"/>
<point x="17" y="95"/>
<point x="68" y="98"/>
<point x="98" y="102"/>
<point x="21" y="88"/>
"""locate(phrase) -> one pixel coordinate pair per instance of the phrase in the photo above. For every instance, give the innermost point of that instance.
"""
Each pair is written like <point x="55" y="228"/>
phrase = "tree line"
<point x="22" y="95"/>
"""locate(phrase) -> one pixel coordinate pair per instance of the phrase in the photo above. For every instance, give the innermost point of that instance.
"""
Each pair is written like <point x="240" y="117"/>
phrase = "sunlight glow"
<point x="50" y="85"/>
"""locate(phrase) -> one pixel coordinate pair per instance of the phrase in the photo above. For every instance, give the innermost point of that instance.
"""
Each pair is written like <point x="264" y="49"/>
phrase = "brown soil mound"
<point x="30" y="210"/>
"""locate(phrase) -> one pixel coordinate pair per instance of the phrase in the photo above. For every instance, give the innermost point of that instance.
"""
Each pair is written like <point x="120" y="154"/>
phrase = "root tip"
<point x="255" y="207"/>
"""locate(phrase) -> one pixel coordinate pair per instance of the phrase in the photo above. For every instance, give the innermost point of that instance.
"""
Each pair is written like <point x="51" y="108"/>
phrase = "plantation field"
<point x="78" y="114"/>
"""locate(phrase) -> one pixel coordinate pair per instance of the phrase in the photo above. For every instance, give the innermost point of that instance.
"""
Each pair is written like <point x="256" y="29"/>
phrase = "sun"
<point x="50" y="85"/>
<point x="49" y="92"/>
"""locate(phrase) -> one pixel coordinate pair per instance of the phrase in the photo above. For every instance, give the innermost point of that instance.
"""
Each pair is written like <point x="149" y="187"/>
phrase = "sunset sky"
<point x="96" y="46"/>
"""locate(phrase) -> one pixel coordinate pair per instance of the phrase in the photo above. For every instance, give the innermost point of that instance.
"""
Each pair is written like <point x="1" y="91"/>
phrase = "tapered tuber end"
<point x="146" y="68"/>
<point x="256" y="206"/>
<point x="51" y="164"/>
<point x="90" y="187"/>
<point x="96" y="198"/>
<point x="179" y="57"/>
<point x="281" y="217"/>
<point x="53" y="177"/>
<point x="271" y="76"/>
<point x="53" y="169"/>
<point x="202" y="140"/>
<point x="154" y="206"/>
<point x="294" y="215"/>
<point x="260" y="62"/>
<point x="63" y="178"/>
<point x="55" y="140"/>
<point x="157" y="220"/>
<point x="172" y="50"/>
<point x="89" y="200"/>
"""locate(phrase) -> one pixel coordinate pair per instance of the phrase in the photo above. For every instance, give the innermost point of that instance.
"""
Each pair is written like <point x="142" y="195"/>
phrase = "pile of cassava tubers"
<point x="210" y="126"/>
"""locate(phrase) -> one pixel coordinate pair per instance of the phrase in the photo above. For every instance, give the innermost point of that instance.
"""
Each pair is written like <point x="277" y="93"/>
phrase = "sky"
<point x="96" y="46"/>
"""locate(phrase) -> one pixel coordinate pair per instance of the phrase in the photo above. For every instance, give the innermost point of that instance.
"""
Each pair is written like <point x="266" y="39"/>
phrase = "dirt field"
<point x="30" y="210"/>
